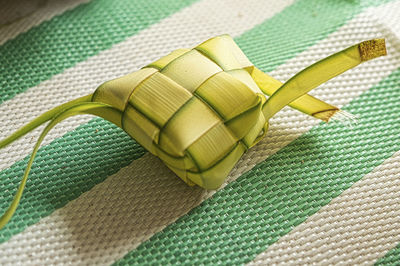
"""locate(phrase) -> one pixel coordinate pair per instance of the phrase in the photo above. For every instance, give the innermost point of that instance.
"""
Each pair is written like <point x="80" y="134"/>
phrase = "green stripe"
<point x="65" y="169"/>
<point x="391" y="258"/>
<point x="297" y="28"/>
<point x="267" y="202"/>
<point x="74" y="36"/>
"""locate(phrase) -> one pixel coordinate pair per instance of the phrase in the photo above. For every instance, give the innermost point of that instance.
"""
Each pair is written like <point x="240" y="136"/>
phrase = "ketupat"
<point x="200" y="109"/>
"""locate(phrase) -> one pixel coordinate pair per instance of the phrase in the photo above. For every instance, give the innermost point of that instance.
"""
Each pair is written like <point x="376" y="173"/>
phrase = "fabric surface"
<point x="308" y="193"/>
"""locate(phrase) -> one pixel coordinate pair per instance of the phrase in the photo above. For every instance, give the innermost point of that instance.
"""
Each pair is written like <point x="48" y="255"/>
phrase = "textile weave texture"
<point x="308" y="193"/>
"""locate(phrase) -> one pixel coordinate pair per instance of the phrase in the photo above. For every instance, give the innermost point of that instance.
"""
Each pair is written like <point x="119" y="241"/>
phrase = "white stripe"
<point x="141" y="199"/>
<point x="36" y="13"/>
<point x="357" y="227"/>
<point x="201" y="21"/>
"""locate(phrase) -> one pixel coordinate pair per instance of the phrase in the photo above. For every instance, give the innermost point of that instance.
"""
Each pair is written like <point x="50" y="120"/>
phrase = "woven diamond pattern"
<point x="192" y="103"/>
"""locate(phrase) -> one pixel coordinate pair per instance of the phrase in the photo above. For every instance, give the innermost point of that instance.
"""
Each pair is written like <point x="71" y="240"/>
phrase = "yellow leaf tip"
<point x="372" y="49"/>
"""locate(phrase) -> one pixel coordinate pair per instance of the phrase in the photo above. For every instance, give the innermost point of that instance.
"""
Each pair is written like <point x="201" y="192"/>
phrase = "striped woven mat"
<point x="308" y="193"/>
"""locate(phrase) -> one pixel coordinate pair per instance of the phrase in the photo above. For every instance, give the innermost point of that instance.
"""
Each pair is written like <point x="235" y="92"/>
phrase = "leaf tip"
<point x="372" y="49"/>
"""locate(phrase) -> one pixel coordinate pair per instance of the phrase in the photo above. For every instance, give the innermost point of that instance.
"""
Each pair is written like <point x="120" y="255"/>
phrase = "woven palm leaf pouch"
<point x="200" y="109"/>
